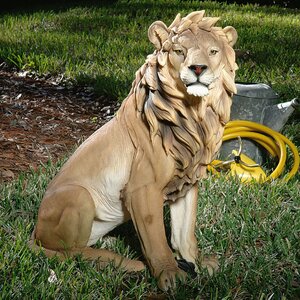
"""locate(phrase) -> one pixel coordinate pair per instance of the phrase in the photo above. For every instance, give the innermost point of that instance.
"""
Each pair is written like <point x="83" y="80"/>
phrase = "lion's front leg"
<point x="183" y="220"/>
<point x="146" y="208"/>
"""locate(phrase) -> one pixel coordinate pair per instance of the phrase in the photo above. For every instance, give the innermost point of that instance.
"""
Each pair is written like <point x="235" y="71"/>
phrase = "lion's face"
<point x="198" y="60"/>
<point x="195" y="53"/>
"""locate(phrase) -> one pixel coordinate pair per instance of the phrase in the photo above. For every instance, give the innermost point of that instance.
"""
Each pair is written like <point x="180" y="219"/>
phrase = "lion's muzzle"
<point x="198" y="69"/>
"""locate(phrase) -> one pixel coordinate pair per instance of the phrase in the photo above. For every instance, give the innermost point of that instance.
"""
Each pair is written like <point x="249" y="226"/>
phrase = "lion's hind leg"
<point x="65" y="218"/>
<point x="64" y="226"/>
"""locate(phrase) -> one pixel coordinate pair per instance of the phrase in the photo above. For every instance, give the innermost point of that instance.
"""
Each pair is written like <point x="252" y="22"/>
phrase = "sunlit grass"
<point x="104" y="45"/>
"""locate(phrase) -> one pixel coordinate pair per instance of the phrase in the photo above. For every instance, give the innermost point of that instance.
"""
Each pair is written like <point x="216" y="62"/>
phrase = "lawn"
<point x="105" y="45"/>
<point x="253" y="229"/>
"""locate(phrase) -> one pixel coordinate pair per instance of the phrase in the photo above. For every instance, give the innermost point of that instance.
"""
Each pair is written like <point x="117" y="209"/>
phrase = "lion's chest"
<point x="191" y="164"/>
<point x="178" y="187"/>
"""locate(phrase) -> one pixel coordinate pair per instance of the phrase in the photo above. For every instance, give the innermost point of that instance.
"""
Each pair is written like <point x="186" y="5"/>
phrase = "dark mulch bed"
<point x="43" y="118"/>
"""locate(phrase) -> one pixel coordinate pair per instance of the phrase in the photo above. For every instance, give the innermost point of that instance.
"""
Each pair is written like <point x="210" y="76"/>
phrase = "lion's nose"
<point x="198" y="69"/>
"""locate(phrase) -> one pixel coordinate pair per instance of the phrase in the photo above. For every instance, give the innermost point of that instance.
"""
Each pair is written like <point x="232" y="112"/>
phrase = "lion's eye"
<point x="213" y="51"/>
<point x="179" y="52"/>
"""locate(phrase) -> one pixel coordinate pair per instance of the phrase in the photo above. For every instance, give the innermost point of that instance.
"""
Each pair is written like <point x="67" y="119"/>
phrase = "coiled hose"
<point x="274" y="142"/>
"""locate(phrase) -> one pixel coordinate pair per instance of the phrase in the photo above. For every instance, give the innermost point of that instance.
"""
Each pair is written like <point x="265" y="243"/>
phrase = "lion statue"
<point x="153" y="152"/>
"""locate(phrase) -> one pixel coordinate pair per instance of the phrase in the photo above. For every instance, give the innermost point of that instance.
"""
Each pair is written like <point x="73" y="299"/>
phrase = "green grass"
<point x="254" y="229"/>
<point x="104" y="45"/>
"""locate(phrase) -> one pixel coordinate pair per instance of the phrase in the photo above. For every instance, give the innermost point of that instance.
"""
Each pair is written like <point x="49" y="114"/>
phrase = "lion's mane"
<point x="191" y="129"/>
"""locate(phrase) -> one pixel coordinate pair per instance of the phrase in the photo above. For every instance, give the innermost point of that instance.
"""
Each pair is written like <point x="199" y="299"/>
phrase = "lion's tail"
<point x="102" y="256"/>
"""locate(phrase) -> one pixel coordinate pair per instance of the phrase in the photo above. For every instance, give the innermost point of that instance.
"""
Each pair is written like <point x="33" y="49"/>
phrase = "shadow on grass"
<point x="30" y="6"/>
<point x="127" y="232"/>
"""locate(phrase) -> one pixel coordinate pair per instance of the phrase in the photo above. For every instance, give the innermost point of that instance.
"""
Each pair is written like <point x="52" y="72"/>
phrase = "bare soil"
<point x="43" y="118"/>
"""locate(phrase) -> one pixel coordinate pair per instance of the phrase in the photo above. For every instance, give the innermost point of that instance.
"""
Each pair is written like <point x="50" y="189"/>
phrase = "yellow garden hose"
<point x="274" y="142"/>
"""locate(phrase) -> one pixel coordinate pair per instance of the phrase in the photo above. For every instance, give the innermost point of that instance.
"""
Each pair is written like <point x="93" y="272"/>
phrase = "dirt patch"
<point x="42" y="119"/>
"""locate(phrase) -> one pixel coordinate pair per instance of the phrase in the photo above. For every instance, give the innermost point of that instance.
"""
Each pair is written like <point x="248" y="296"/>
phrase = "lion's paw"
<point x="211" y="263"/>
<point x="168" y="278"/>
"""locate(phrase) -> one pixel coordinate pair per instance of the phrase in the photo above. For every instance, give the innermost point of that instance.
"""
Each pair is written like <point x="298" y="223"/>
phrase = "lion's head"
<point x="194" y="60"/>
<point x="197" y="53"/>
<point x="184" y="89"/>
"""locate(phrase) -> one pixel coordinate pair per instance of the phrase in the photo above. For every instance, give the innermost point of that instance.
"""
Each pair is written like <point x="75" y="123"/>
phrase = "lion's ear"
<point x="158" y="33"/>
<point x="231" y="35"/>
